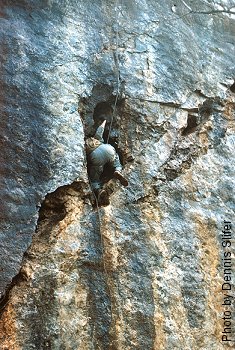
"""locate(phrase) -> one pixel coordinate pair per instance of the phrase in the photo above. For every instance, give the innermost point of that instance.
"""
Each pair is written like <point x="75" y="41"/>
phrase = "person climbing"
<point x="98" y="155"/>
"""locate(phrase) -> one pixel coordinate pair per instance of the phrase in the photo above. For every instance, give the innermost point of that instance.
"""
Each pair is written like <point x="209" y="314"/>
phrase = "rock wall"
<point x="146" y="271"/>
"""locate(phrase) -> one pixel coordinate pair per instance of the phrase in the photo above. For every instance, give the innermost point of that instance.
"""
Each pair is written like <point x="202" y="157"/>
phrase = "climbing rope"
<point x="110" y="127"/>
<point x="116" y="59"/>
<point x="102" y="251"/>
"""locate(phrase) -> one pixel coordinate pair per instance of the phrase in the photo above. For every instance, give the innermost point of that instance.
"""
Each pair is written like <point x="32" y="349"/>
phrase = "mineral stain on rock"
<point x="144" y="271"/>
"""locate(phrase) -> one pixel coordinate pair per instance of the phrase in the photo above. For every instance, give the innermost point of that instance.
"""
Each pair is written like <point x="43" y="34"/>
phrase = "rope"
<point x="99" y="217"/>
<point x="116" y="59"/>
<point x="102" y="246"/>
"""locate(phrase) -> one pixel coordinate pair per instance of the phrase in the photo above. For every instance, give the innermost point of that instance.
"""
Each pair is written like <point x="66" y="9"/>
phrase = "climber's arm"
<point x="100" y="131"/>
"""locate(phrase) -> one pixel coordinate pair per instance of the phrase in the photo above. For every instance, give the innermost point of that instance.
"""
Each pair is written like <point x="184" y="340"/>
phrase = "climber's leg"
<point x="95" y="172"/>
<point x="117" y="170"/>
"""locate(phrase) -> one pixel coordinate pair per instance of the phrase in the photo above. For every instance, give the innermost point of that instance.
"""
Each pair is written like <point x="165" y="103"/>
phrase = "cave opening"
<point x="104" y="105"/>
<point x="106" y="110"/>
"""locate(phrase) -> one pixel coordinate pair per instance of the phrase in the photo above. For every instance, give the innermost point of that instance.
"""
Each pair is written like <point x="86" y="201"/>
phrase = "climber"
<point x="98" y="155"/>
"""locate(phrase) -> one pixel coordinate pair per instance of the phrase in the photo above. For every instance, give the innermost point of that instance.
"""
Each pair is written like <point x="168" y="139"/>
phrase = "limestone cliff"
<point x="145" y="272"/>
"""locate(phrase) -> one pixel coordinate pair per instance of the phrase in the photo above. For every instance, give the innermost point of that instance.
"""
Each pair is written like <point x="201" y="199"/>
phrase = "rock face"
<point x="146" y="271"/>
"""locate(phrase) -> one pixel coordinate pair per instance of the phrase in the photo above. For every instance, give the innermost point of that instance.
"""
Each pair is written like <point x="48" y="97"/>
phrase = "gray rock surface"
<point x="146" y="271"/>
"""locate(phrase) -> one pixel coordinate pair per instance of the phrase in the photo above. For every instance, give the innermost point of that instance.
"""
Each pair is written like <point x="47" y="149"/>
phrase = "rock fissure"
<point x="57" y="212"/>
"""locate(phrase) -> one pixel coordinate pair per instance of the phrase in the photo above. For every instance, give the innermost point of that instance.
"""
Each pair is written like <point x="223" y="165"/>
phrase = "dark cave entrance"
<point x="106" y="110"/>
<point x="103" y="105"/>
